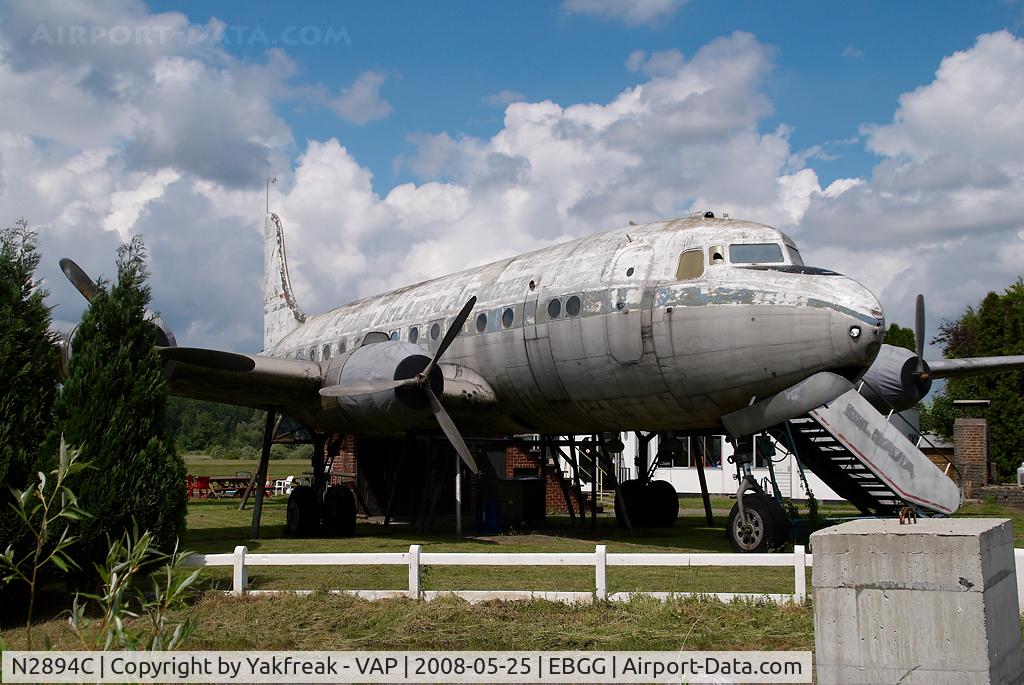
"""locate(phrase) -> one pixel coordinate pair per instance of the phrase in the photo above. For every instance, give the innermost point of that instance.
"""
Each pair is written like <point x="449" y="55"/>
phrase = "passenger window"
<point x="341" y="346"/>
<point x="312" y="354"/>
<point x="691" y="265"/>
<point x="573" y="305"/>
<point x="393" y="335"/>
<point x="554" y="308"/>
<point x="299" y="354"/>
<point x="508" y="317"/>
<point x="481" y="322"/>
<point x="716" y="254"/>
<point x="327" y="351"/>
<point x="750" y="253"/>
<point x="414" y="334"/>
<point x="435" y="331"/>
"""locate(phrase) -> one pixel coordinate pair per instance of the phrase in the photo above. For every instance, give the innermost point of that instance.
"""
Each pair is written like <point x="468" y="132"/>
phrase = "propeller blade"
<point x="450" y="334"/>
<point x="919" y="333"/>
<point x="356" y="389"/>
<point x="448" y="426"/>
<point x="79" y="279"/>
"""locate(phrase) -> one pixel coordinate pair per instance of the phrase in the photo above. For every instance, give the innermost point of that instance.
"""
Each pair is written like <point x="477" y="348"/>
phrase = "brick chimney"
<point x="970" y="450"/>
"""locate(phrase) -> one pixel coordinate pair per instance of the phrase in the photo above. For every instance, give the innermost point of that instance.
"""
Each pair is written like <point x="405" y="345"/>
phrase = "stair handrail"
<point x="920" y="435"/>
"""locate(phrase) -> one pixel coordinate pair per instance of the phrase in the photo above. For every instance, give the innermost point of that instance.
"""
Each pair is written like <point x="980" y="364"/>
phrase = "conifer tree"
<point x="29" y="370"/>
<point x="113" y="408"/>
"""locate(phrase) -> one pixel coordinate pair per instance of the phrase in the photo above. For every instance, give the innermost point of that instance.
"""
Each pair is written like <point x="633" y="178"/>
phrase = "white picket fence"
<point x="415" y="559"/>
<point x="600" y="559"/>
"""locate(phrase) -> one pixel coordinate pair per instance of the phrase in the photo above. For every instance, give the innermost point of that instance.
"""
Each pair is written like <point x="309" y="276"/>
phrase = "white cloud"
<point x="361" y="102"/>
<point x="630" y="12"/>
<point x="851" y="51"/>
<point x="503" y="98"/>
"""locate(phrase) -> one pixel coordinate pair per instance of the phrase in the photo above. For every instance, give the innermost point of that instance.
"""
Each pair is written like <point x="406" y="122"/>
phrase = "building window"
<point x="481" y="322"/>
<point x="327" y="351"/>
<point x="573" y="305"/>
<point x="708" y="448"/>
<point x="508" y="317"/>
<point x="554" y="308"/>
<point x="414" y="334"/>
<point x="691" y="265"/>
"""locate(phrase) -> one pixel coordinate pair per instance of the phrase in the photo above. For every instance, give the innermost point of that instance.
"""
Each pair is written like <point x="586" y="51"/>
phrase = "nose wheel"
<point x="763" y="527"/>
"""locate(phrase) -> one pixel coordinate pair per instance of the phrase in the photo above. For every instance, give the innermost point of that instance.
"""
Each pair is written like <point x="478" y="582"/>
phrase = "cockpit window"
<point x="691" y="265"/>
<point x="794" y="255"/>
<point x="716" y="254"/>
<point x="755" y="253"/>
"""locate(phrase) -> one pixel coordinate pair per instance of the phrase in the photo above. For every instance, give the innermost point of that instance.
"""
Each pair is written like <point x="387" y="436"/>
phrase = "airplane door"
<point x="626" y="280"/>
<point x="538" y="346"/>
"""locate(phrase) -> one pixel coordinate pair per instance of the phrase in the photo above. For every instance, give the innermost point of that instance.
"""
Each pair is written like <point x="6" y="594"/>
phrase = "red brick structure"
<point x="519" y="461"/>
<point x="970" y="445"/>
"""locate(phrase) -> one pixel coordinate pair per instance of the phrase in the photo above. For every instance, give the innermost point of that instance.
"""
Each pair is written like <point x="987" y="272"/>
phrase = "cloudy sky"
<point x="411" y="140"/>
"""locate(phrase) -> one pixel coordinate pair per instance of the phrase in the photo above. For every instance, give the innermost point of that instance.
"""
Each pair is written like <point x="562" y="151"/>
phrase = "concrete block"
<point x="932" y="603"/>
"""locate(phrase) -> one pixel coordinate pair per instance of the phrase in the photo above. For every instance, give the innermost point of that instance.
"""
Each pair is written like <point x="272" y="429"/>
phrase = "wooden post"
<point x="261" y="473"/>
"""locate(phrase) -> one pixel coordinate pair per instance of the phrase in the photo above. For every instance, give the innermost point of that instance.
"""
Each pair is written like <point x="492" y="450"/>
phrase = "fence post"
<point x="800" y="573"/>
<point x="239" y="576"/>
<point x="414" y="571"/>
<point x="601" y="571"/>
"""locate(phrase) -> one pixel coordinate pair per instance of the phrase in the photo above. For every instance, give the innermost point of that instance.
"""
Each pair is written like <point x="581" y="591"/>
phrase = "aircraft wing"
<point x="956" y="368"/>
<point x="241" y="379"/>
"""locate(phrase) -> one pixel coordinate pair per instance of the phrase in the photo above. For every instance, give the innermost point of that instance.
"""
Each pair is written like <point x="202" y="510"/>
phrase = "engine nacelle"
<point x="388" y="411"/>
<point x="891" y="381"/>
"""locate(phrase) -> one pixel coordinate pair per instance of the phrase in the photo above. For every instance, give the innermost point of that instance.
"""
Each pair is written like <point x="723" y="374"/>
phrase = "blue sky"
<point x="886" y="137"/>
<point x="839" y="64"/>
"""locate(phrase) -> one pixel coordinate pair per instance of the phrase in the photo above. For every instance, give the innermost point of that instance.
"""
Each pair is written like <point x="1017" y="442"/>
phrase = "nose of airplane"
<point x="858" y="323"/>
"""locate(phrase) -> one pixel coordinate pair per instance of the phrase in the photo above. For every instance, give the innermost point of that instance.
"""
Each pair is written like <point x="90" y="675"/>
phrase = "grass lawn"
<point x="324" y="621"/>
<point x="201" y="465"/>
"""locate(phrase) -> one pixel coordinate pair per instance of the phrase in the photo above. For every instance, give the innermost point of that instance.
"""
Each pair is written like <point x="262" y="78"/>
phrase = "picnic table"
<point x="232" y="486"/>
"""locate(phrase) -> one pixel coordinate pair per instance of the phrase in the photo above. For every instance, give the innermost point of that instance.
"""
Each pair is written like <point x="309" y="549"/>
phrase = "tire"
<point x="664" y="503"/>
<point x="630" y="497"/>
<point x="303" y="514"/>
<point x="762" y="515"/>
<point x="339" y="512"/>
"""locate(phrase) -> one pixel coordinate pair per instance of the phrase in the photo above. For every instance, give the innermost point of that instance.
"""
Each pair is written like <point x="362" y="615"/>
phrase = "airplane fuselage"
<point x="666" y="326"/>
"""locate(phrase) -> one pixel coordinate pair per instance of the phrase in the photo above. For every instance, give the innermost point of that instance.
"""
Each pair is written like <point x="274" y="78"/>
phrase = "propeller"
<point x="919" y="336"/>
<point x="421" y="381"/>
<point x="79" y="279"/>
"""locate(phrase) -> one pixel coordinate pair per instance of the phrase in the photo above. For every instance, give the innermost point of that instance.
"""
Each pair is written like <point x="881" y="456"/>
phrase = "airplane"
<point x="698" y="325"/>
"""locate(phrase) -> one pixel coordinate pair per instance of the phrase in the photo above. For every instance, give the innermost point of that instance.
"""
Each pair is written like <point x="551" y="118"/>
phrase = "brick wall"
<point x="1007" y="495"/>
<point x="970" y="445"/>
<point x="519" y="460"/>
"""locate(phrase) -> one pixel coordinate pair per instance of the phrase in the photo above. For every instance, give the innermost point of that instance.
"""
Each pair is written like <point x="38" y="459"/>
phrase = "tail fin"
<point x="281" y="314"/>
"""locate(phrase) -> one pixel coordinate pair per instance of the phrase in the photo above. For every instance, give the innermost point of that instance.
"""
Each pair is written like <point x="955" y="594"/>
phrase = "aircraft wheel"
<point x="759" y="531"/>
<point x="630" y="497"/>
<point x="303" y="515"/>
<point x="339" y="511"/>
<point x="664" y="503"/>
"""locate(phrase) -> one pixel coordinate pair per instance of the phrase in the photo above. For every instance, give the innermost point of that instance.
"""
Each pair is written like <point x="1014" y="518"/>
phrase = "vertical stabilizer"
<point x="281" y="314"/>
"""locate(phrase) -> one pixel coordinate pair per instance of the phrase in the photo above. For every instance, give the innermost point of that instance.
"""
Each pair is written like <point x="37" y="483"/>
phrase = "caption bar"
<point x="406" y="667"/>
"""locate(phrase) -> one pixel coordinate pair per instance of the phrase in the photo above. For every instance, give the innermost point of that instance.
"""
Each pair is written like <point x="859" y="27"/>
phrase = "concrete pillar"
<point x="970" y="450"/>
<point x="931" y="603"/>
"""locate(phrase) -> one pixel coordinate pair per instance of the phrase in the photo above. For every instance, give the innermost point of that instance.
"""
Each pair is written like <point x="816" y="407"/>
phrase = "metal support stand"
<point x="704" y="495"/>
<point x="642" y="455"/>
<point x="261" y="473"/>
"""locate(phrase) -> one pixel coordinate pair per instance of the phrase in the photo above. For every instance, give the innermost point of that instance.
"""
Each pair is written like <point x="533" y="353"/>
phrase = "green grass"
<point x="201" y="465"/>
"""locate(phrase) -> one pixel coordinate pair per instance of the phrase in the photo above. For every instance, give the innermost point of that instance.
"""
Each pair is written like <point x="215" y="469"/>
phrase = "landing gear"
<point x="646" y="505"/>
<point x="763" y="526"/>
<point x="339" y="511"/>
<point x="303" y="515"/>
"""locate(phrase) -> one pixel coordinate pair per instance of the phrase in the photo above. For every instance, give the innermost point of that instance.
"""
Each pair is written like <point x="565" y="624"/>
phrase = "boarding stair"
<point x="867" y="460"/>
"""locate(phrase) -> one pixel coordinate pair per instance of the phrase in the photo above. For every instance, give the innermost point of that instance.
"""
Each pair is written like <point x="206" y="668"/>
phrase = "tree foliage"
<point x="898" y="336"/>
<point x="223" y="431"/>
<point x="113" y="408"/>
<point x="995" y="328"/>
<point x="29" y="368"/>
